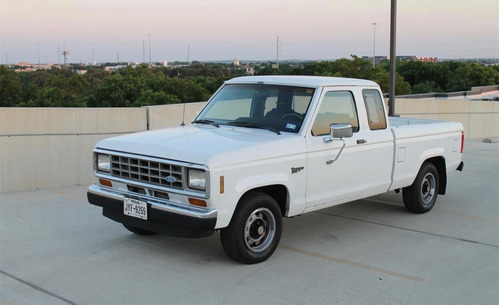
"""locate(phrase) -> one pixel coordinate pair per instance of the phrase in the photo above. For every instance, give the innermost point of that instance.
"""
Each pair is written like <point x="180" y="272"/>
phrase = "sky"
<point x="178" y="30"/>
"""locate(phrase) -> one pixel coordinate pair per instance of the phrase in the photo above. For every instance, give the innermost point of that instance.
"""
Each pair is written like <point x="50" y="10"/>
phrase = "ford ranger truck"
<point x="268" y="147"/>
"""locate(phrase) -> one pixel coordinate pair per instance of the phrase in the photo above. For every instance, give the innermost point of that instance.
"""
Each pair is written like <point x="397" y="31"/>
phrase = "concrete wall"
<point x="51" y="147"/>
<point x="480" y="118"/>
<point x="172" y="115"/>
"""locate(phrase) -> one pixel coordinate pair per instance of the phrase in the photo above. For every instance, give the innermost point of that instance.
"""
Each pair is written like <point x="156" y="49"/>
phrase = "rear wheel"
<point x="255" y="229"/>
<point x="421" y="196"/>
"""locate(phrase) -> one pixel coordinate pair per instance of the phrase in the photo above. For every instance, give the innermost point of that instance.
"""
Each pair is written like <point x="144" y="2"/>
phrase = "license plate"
<point x="135" y="208"/>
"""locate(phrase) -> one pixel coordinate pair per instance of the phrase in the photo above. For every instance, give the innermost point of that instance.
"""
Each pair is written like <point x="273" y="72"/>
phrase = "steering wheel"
<point x="293" y="115"/>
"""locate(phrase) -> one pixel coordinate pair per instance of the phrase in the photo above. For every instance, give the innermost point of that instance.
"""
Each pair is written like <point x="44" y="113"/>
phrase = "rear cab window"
<point x="374" y="109"/>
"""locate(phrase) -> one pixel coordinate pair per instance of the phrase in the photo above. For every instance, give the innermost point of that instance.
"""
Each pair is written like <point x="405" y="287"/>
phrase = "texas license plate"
<point x="135" y="208"/>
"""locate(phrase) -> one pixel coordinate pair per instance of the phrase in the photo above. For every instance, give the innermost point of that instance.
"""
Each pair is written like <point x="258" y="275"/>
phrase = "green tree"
<point x="149" y="97"/>
<point x="110" y="92"/>
<point x="50" y="97"/>
<point x="382" y="78"/>
<point x="10" y="87"/>
<point x="209" y="83"/>
<point x="425" y="87"/>
<point x="118" y="90"/>
<point x="30" y="92"/>
<point x="95" y="76"/>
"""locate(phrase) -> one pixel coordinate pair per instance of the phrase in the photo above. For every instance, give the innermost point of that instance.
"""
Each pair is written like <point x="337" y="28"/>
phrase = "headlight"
<point x="196" y="179"/>
<point x="103" y="163"/>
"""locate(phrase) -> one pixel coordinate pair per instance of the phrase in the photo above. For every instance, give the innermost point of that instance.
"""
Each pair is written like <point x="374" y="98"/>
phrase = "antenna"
<point x="183" y="112"/>
<point x="38" y="46"/>
<point x="65" y="53"/>
<point x="277" y="52"/>
<point x="143" y="51"/>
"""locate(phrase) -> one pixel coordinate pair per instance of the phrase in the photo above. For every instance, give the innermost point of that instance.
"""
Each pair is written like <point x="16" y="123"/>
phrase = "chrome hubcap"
<point x="260" y="229"/>
<point x="428" y="188"/>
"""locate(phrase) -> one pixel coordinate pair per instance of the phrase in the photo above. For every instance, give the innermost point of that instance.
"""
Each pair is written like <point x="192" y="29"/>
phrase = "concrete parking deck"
<point x="55" y="248"/>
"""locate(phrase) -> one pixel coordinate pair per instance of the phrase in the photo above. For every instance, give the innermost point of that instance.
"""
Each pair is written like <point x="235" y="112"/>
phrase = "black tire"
<point x="138" y="231"/>
<point x="421" y="196"/>
<point x="255" y="229"/>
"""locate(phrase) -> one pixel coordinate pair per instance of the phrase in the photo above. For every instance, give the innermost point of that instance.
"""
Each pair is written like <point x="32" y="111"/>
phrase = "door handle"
<point x="361" y="141"/>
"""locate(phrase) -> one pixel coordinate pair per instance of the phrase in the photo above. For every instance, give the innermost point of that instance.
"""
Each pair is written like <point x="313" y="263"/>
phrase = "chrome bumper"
<point x="166" y="217"/>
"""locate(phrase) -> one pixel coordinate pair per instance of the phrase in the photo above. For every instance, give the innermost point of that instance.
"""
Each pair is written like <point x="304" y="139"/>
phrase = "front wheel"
<point x="255" y="229"/>
<point x="422" y="194"/>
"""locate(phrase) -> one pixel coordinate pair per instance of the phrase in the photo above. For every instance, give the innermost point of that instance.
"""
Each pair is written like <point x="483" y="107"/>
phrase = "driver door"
<point x="363" y="162"/>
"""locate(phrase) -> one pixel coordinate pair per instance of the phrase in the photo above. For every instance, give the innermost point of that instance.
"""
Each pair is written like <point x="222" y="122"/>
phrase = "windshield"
<point x="273" y="107"/>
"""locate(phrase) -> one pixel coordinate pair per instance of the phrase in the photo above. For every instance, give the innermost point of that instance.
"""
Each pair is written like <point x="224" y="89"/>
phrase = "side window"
<point x="374" y="109"/>
<point x="336" y="107"/>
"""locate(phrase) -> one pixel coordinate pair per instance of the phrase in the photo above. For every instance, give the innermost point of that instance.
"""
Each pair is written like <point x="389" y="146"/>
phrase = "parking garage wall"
<point x="52" y="147"/>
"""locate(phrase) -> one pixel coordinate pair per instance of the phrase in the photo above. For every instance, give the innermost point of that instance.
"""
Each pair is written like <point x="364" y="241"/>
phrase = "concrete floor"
<point x="55" y="248"/>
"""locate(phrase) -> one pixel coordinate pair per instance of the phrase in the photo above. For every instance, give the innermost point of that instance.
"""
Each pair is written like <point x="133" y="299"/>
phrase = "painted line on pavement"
<point x="354" y="264"/>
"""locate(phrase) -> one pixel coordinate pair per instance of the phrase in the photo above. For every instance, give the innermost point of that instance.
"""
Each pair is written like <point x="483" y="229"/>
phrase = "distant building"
<point x="114" y="68"/>
<point x="379" y="59"/>
<point x="236" y="62"/>
<point x="24" y="64"/>
<point x="44" y="66"/>
<point x="428" y="59"/>
<point x="249" y="70"/>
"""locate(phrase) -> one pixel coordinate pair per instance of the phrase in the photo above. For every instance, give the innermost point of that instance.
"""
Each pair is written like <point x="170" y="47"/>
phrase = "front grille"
<point x="147" y="171"/>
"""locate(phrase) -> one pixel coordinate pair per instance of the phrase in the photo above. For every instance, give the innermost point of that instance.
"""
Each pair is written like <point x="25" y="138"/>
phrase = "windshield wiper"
<point x="205" y="122"/>
<point x="253" y="125"/>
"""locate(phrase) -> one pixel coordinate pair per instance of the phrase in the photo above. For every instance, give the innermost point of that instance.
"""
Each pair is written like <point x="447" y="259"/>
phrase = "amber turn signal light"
<point x="105" y="182"/>
<point x="198" y="202"/>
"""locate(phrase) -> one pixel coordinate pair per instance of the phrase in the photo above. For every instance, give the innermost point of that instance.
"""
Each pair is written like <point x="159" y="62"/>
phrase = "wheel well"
<point x="440" y="165"/>
<point x="278" y="192"/>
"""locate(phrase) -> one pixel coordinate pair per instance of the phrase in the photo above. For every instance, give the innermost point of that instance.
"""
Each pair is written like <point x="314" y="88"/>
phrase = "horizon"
<point x="229" y="61"/>
<point x="222" y="30"/>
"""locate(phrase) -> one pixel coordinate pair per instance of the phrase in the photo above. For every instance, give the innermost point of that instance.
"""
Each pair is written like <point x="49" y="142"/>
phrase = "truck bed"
<point x="417" y="140"/>
<point x="398" y="121"/>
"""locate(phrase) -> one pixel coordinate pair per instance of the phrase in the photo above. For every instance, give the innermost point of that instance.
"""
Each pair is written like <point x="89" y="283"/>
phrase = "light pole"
<point x="277" y="52"/>
<point x="374" y="26"/>
<point x="149" y="34"/>
<point x="38" y="46"/>
<point x="392" y="72"/>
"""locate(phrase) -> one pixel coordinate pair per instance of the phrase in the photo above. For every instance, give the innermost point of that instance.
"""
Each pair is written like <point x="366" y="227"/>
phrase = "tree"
<point x="149" y="97"/>
<point x="110" y="92"/>
<point x="95" y="76"/>
<point x="382" y="78"/>
<point x="10" y="87"/>
<point x="425" y="87"/>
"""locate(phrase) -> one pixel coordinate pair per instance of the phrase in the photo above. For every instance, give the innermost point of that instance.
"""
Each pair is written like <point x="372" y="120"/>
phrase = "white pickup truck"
<point x="268" y="147"/>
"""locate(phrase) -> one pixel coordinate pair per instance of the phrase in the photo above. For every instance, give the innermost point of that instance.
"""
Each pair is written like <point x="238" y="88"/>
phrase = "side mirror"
<point x="340" y="131"/>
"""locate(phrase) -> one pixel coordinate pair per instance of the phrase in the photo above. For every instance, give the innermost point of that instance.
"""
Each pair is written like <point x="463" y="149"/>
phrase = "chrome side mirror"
<point x="339" y="131"/>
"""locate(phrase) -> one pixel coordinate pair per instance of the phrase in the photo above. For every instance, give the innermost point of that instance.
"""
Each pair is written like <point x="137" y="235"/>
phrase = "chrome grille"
<point x="147" y="171"/>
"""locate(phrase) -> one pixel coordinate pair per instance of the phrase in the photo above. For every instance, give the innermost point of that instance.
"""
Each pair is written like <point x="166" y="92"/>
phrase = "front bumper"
<point x="164" y="216"/>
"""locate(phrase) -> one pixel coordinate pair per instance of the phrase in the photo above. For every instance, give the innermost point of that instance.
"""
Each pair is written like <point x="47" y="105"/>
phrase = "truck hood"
<point x="207" y="145"/>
